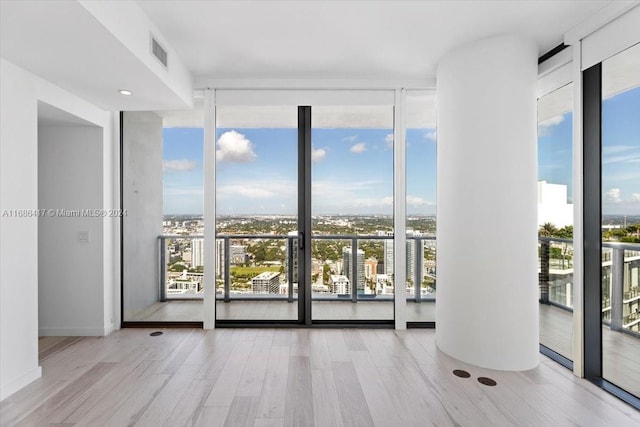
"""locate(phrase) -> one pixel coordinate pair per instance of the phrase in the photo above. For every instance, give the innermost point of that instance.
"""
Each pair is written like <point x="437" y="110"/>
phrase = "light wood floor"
<point x="293" y="377"/>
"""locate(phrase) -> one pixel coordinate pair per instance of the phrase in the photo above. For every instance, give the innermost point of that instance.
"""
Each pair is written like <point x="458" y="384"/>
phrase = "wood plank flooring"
<point x="293" y="377"/>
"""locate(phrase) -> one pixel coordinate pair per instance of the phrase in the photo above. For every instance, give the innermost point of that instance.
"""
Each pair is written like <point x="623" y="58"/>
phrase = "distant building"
<point x="370" y="268"/>
<point x="553" y="206"/>
<point x="219" y="258"/>
<point x="293" y="256"/>
<point x="267" y="282"/>
<point x="238" y="254"/>
<point x="384" y="285"/>
<point x="389" y="267"/>
<point x="340" y="284"/>
<point x="347" y="262"/>
<point x="197" y="252"/>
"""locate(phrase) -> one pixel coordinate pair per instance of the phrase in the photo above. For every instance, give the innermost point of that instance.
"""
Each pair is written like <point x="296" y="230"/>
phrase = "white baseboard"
<point x="16" y="384"/>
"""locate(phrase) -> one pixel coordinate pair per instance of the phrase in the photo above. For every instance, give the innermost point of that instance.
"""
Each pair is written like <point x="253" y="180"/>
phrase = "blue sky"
<point x="352" y="169"/>
<point x="620" y="153"/>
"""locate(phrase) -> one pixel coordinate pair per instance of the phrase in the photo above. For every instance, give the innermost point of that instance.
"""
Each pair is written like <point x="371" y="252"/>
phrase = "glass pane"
<point x="621" y="219"/>
<point x="421" y="206"/>
<point x="256" y="218"/>
<point x="163" y="187"/>
<point x="555" y="220"/>
<point x="352" y="213"/>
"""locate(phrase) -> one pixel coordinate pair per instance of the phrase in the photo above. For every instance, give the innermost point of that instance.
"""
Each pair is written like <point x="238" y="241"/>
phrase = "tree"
<point x="326" y="272"/>
<point x="179" y="268"/>
<point x="548" y="230"/>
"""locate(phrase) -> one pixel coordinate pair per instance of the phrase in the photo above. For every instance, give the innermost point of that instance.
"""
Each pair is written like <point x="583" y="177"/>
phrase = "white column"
<point x="487" y="300"/>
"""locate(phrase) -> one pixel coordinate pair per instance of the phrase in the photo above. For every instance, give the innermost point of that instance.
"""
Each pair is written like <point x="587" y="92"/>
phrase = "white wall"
<point x="70" y="268"/>
<point x="20" y="91"/>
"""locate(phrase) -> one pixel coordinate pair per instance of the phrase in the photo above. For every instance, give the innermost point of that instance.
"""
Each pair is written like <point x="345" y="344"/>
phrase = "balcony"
<point x="238" y="284"/>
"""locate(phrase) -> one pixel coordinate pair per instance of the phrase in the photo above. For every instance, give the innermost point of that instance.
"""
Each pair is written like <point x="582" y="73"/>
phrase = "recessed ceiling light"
<point x="125" y="92"/>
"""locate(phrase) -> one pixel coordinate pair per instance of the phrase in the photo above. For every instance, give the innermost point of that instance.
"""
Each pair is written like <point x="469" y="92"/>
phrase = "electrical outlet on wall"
<point x="83" y="236"/>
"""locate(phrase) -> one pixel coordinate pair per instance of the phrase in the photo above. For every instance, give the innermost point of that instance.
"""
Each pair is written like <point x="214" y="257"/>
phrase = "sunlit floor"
<point x="621" y="352"/>
<point x="293" y="377"/>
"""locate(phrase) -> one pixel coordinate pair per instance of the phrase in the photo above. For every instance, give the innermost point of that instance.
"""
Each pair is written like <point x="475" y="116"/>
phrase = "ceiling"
<point x="68" y="43"/>
<point x="347" y="39"/>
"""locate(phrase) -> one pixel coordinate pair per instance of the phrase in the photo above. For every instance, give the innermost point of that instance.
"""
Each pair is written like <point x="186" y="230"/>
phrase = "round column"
<point x="487" y="298"/>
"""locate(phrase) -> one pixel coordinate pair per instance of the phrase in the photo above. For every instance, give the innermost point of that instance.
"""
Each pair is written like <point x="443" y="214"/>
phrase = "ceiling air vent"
<point x="158" y="51"/>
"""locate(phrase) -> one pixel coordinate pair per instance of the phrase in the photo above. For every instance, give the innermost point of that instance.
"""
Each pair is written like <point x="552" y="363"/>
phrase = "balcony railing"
<point x="359" y="286"/>
<point x="620" y="272"/>
<point x="620" y="280"/>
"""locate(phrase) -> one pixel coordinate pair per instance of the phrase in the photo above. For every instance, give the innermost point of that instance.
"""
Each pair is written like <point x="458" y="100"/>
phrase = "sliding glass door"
<point x="304" y="225"/>
<point x="352" y="271"/>
<point x="256" y="214"/>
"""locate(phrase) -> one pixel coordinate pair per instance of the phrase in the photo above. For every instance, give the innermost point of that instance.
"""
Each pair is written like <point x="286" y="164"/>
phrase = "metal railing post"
<point x="163" y="269"/>
<point x="354" y="270"/>
<point x="543" y="276"/>
<point x="227" y="269"/>
<point x="417" y="285"/>
<point x="617" y="288"/>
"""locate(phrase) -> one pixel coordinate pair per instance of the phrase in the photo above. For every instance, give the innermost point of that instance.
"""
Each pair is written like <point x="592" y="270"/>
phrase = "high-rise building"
<point x="238" y="254"/>
<point x="347" y="267"/>
<point x="293" y="256"/>
<point x="267" y="282"/>
<point x="219" y="258"/>
<point x="340" y="284"/>
<point x="197" y="252"/>
<point x="370" y="267"/>
<point x="410" y="254"/>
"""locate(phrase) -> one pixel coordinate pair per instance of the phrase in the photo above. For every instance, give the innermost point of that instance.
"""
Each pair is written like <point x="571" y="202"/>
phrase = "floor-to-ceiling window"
<point x="421" y="140"/>
<point x="352" y="268"/>
<point x="555" y="219"/>
<point x="304" y="204"/>
<point x="620" y="184"/>
<point x="256" y="213"/>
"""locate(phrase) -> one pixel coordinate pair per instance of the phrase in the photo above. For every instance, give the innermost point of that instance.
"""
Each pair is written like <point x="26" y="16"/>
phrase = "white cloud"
<point x="629" y="158"/>
<point x="373" y="202"/>
<point x="183" y="191"/>
<point x="234" y="147"/>
<point x="635" y="197"/>
<point x="358" y="148"/>
<point x="615" y="149"/>
<point x="431" y="136"/>
<point x="417" y="201"/>
<point x="350" y="138"/>
<point x="259" y="189"/>
<point x="389" y="140"/>
<point x="178" y="165"/>
<point x="552" y="121"/>
<point x="318" y="154"/>
<point x="545" y="125"/>
<point x="613" y="195"/>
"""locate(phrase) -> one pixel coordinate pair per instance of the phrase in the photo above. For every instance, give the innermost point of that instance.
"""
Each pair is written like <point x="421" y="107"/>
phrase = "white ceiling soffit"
<point x="621" y="72"/>
<point x="64" y="43"/>
<point x="363" y="40"/>
<point x="554" y="104"/>
<point x="48" y="115"/>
